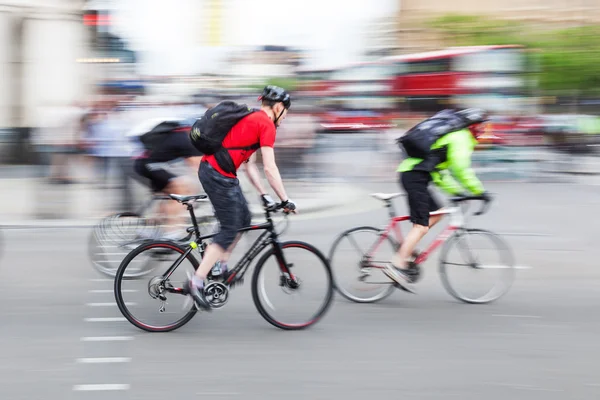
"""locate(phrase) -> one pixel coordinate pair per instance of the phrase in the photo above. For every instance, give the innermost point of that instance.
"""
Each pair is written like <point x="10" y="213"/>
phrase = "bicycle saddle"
<point x="386" y="196"/>
<point x="186" y="199"/>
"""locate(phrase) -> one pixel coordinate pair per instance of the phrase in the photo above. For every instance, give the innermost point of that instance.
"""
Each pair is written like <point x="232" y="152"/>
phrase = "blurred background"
<point x="358" y="74"/>
<point x="78" y="76"/>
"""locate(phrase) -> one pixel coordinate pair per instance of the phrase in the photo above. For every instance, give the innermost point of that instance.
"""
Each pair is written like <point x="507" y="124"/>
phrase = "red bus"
<point x="314" y="82"/>
<point x="484" y="76"/>
<point x="359" y="97"/>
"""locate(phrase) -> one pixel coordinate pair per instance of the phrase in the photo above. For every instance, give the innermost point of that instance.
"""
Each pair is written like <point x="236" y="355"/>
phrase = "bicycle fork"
<point x="287" y="278"/>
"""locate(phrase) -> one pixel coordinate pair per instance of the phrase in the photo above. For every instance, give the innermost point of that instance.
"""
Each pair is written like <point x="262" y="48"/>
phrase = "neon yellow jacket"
<point x="450" y="162"/>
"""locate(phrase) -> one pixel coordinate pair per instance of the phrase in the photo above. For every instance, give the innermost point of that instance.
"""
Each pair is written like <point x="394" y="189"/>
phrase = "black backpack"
<point x="417" y="141"/>
<point x="153" y="139"/>
<point x="208" y="132"/>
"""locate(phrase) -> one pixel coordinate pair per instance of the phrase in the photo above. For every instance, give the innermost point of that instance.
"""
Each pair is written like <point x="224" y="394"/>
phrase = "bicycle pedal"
<point x="406" y="289"/>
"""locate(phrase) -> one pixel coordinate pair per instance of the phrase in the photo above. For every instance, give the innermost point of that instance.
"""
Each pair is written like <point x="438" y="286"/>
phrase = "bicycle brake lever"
<point x="484" y="208"/>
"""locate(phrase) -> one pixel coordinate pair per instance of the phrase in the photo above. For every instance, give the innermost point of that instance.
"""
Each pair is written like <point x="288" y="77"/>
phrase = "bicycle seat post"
<point x="457" y="217"/>
<point x="190" y="209"/>
<point x="390" y="207"/>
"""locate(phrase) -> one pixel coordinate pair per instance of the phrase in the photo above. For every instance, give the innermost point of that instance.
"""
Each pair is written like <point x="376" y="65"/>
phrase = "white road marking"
<point x="102" y="280"/>
<point x="108" y="304"/>
<point x="109" y="319"/>
<point x="101" y="387"/>
<point x="525" y="387"/>
<point x="106" y="338"/>
<point x="104" y="360"/>
<point x="112" y="291"/>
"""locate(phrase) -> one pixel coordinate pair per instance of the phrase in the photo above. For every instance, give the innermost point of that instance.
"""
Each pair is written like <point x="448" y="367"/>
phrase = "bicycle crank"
<point x="416" y="271"/>
<point x="217" y="294"/>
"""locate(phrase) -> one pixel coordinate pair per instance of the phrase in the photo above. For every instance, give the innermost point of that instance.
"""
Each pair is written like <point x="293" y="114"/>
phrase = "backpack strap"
<point x="255" y="146"/>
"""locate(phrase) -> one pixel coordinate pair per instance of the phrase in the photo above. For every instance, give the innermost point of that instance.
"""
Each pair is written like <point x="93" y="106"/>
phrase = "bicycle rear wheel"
<point x="356" y="258"/>
<point x="311" y="277"/>
<point x="105" y="244"/>
<point x="141" y="300"/>
<point x="483" y="258"/>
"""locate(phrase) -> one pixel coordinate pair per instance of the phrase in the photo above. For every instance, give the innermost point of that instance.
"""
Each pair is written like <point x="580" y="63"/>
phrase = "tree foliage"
<point x="566" y="61"/>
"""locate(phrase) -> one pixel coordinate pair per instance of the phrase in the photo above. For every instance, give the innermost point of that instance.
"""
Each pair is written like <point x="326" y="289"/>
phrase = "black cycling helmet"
<point x="276" y="94"/>
<point x="474" y="115"/>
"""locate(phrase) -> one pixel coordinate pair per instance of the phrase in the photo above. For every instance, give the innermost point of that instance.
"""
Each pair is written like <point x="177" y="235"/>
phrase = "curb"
<point x="256" y="212"/>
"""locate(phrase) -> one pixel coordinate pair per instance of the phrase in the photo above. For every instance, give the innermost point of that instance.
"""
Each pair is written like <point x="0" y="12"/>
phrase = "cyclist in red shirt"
<point x="223" y="188"/>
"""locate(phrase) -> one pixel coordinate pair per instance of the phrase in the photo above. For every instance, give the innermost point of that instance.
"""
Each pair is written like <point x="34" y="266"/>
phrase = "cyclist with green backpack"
<point x="229" y="135"/>
<point x="439" y="150"/>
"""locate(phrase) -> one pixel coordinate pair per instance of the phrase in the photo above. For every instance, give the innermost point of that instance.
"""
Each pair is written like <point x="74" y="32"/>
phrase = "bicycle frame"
<point x="269" y="237"/>
<point x="393" y="228"/>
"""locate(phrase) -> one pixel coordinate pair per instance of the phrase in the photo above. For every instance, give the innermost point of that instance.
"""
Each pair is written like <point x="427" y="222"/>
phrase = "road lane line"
<point x="103" y="360"/>
<point x="517" y="386"/>
<point x="218" y="393"/>
<point x="106" y="338"/>
<point x="101" y="387"/>
<point x="108" y="304"/>
<point x="109" y="319"/>
<point x="112" y="291"/>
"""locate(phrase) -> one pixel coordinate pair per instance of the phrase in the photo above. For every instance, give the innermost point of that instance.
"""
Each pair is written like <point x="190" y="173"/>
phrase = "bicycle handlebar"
<point x="271" y="208"/>
<point x="484" y="208"/>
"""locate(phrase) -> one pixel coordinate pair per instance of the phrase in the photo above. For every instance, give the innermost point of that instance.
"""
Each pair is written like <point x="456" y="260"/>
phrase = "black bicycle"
<point x="278" y="266"/>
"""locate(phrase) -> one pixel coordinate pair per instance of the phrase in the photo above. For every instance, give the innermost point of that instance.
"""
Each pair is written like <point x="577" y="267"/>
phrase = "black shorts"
<point x="159" y="178"/>
<point x="420" y="199"/>
<point x="228" y="201"/>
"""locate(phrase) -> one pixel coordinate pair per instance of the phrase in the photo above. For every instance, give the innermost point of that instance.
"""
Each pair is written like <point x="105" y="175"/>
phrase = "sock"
<point x="398" y="263"/>
<point x="198" y="282"/>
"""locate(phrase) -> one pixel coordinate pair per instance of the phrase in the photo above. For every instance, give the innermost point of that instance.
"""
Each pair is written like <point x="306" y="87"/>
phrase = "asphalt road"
<point x="538" y="342"/>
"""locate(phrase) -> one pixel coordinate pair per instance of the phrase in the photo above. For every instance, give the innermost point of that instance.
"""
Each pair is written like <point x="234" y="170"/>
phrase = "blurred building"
<point x="40" y="42"/>
<point x="264" y="62"/>
<point x="381" y="37"/>
<point x="414" y="35"/>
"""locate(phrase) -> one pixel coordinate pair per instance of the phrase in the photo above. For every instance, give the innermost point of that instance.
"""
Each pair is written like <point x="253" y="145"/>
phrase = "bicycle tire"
<point x="502" y="246"/>
<point x="101" y="236"/>
<point x="119" y="277"/>
<point x="385" y="293"/>
<point x="328" y="297"/>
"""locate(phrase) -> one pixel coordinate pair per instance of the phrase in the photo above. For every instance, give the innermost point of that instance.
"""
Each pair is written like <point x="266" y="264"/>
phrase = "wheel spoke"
<point x="295" y="304"/>
<point x="351" y="239"/>
<point x="348" y="268"/>
<point x="162" y="303"/>
<point x="481" y="287"/>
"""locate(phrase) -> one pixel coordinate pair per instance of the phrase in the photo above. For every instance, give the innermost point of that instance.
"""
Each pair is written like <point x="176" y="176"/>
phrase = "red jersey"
<point x="255" y="128"/>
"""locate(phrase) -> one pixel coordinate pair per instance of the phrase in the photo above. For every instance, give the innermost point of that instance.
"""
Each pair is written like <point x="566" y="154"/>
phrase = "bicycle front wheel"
<point x="476" y="266"/>
<point x="155" y="303"/>
<point x="281" y="305"/>
<point x="357" y="257"/>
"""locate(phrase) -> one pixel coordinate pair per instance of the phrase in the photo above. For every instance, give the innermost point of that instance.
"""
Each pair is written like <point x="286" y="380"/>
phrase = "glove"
<point x="288" y="206"/>
<point x="267" y="200"/>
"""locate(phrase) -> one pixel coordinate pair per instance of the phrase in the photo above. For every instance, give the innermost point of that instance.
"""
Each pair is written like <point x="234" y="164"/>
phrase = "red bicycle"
<point x="463" y="248"/>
